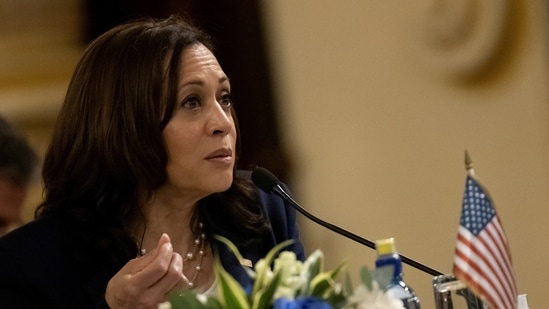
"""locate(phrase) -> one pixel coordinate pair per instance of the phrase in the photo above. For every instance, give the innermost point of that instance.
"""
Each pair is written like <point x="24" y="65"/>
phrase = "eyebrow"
<point x="200" y="82"/>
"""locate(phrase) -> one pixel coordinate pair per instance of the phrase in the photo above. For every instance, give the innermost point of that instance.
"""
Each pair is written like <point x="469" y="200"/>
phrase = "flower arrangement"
<point x="283" y="282"/>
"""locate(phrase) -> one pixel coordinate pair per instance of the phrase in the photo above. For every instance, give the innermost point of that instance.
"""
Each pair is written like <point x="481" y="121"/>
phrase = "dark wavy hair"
<point x="107" y="142"/>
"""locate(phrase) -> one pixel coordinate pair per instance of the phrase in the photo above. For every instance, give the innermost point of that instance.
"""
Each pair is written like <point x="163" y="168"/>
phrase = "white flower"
<point x="165" y="305"/>
<point x="363" y="298"/>
<point x="262" y="267"/>
<point x="291" y="279"/>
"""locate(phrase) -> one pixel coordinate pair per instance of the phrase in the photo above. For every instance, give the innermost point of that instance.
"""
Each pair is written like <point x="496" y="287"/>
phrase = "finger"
<point x="172" y="279"/>
<point x="156" y="265"/>
<point x="150" y="256"/>
<point x="162" y="241"/>
<point x="144" y="260"/>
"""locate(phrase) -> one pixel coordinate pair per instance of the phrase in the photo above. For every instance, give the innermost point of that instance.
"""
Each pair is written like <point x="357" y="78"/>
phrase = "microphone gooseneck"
<point x="268" y="182"/>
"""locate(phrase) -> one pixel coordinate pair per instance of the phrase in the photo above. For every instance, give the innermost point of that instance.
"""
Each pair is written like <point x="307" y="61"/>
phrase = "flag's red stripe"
<point x="483" y="262"/>
<point x="478" y="283"/>
<point x="499" y="271"/>
<point x="506" y="254"/>
<point x="481" y="279"/>
<point x="486" y="269"/>
<point x="475" y="286"/>
<point x="504" y="270"/>
<point x="499" y="228"/>
<point x="482" y="267"/>
<point x="509" y="262"/>
<point x="491" y="238"/>
<point x="487" y="266"/>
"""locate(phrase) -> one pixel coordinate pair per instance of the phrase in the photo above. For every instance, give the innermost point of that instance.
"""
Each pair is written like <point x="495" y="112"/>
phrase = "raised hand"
<point x="145" y="281"/>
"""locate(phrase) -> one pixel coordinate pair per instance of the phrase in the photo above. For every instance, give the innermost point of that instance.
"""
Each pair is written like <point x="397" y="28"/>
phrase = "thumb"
<point x="164" y="245"/>
<point x="163" y="248"/>
<point x="164" y="239"/>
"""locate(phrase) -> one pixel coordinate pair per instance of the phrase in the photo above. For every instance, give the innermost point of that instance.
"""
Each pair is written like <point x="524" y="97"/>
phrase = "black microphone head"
<point x="264" y="179"/>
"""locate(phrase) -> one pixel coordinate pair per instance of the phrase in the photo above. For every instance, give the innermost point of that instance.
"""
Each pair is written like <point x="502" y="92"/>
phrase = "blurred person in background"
<point x="18" y="163"/>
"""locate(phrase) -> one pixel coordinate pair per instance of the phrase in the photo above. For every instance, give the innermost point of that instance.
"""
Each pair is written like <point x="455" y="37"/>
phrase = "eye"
<point x="226" y="100"/>
<point x="191" y="103"/>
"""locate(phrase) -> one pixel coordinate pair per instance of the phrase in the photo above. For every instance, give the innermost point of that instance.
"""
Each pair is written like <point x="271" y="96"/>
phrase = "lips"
<point x="220" y="154"/>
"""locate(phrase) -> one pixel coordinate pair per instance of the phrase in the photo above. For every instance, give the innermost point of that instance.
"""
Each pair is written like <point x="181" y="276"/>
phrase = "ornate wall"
<point x="380" y="99"/>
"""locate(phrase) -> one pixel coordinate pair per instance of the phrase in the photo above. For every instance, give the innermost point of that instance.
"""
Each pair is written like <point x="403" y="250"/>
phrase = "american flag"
<point x="482" y="257"/>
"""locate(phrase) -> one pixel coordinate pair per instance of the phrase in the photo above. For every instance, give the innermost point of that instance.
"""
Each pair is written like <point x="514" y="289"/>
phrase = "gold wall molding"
<point x="462" y="38"/>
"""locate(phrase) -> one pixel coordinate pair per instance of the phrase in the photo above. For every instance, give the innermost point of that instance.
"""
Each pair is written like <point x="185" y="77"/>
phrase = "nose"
<point x="220" y="121"/>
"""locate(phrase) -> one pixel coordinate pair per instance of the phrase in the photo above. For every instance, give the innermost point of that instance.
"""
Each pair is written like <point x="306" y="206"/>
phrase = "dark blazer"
<point x="37" y="268"/>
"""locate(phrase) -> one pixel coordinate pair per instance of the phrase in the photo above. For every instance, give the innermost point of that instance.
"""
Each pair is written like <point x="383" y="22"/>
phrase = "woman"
<point x="139" y="175"/>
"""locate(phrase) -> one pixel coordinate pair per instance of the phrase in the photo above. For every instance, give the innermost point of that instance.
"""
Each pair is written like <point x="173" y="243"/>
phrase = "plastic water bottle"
<point x="387" y="255"/>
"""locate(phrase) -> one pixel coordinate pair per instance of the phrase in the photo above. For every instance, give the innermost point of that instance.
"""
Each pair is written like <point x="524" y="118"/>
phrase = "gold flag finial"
<point x="468" y="163"/>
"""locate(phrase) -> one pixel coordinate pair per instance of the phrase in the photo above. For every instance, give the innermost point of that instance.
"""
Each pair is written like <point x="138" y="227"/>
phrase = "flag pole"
<point x="469" y="164"/>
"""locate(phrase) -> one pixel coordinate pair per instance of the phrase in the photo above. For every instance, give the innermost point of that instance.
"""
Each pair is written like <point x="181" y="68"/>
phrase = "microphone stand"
<point x="280" y="191"/>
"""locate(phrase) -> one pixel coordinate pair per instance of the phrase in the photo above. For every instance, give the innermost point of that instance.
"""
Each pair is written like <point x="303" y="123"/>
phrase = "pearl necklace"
<point x="199" y="243"/>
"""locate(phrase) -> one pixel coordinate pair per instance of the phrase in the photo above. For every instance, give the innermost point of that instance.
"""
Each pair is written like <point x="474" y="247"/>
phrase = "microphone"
<point x="268" y="182"/>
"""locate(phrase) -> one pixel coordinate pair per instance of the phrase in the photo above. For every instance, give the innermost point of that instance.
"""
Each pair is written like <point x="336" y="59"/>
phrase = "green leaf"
<point x="315" y="262"/>
<point x="263" y="299"/>
<point x="235" y="251"/>
<point x="230" y="245"/>
<point x="231" y="294"/>
<point x="348" y="285"/>
<point x="260" y="276"/>
<point x="312" y="267"/>
<point x="323" y="283"/>
<point x="366" y="278"/>
<point x="212" y="303"/>
<point x="274" y="251"/>
<point x="338" y="300"/>
<point x="339" y="268"/>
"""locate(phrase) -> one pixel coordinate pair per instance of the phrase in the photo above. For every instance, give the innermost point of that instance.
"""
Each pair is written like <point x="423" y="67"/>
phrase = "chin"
<point x="226" y="188"/>
<point x="225" y="181"/>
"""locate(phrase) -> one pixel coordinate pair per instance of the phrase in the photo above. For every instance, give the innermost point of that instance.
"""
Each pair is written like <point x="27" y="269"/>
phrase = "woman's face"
<point x="200" y="138"/>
